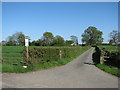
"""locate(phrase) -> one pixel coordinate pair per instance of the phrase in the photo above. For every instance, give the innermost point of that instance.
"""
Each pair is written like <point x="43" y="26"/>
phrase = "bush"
<point x="114" y="59"/>
<point x="96" y="55"/>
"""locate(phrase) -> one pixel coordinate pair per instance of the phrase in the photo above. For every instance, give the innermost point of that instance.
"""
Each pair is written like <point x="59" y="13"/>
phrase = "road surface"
<point x="76" y="74"/>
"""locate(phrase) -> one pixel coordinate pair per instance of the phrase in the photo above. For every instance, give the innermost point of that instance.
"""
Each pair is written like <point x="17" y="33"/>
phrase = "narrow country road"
<point x="76" y="74"/>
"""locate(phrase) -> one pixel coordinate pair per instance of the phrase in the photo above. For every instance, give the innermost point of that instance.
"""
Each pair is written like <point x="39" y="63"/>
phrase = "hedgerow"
<point x="48" y="54"/>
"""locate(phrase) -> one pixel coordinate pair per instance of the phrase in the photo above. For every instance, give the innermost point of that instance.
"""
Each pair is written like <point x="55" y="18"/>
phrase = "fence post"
<point x="60" y="54"/>
<point x="27" y="52"/>
<point x="101" y="59"/>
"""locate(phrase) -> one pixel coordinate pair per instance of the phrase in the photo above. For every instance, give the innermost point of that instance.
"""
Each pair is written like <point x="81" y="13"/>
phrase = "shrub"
<point x="114" y="59"/>
<point x="96" y="55"/>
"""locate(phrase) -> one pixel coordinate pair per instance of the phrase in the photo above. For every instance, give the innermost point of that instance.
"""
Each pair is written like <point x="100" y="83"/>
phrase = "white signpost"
<point x="27" y="44"/>
<point x="26" y="41"/>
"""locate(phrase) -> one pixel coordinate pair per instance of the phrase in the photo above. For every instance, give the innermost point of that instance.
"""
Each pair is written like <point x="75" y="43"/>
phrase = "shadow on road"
<point x="89" y="63"/>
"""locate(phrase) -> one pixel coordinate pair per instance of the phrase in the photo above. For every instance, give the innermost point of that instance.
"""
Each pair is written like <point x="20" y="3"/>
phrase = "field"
<point x="109" y="47"/>
<point x="13" y="55"/>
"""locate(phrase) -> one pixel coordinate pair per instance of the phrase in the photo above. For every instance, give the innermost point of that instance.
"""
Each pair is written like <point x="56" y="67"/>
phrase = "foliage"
<point x="39" y="42"/>
<point x="47" y="54"/>
<point x="20" y="38"/>
<point x="69" y="42"/>
<point x="74" y="39"/>
<point x="114" y="37"/>
<point x="58" y="41"/>
<point x="92" y="36"/>
<point x="16" y="39"/>
<point x="47" y="38"/>
<point x="114" y="59"/>
<point x="11" y="41"/>
<point x="96" y="55"/>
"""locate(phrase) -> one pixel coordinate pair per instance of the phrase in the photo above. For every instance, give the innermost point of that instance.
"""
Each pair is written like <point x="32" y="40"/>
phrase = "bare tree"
<point x="114" y="37"/>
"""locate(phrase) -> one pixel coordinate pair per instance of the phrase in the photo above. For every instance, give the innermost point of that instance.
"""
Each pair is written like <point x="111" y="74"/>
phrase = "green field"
<point x="13" y="55"/>
<point x="109" y="47"/>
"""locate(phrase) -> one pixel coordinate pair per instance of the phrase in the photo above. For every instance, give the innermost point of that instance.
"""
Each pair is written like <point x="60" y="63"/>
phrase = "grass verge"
<point x="109" y="69"/>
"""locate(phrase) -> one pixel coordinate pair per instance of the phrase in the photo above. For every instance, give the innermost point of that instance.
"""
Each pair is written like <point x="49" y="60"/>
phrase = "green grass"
<point x="109" y="47"/>
<point x="12" y="49"/>
<point x="10" y="68"/>
<point x="109" y="69"/>
<point x="12" y="55"/>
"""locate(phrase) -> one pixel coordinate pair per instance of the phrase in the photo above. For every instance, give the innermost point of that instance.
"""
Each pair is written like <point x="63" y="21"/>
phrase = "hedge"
<point x="47" y="54"/>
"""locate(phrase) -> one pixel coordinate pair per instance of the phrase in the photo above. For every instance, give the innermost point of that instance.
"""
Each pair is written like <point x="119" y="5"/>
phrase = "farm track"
<point x="79" y="73"/>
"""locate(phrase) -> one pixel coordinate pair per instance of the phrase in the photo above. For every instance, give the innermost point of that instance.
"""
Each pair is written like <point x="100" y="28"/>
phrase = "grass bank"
<point x="109" y="69"/>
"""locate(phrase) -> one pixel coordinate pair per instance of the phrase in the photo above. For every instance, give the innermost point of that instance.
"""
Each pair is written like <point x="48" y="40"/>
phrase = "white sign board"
<point x="26" y="42"/>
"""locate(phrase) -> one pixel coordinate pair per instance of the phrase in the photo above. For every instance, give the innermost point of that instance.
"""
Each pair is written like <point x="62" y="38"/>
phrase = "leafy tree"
<point x="114" y="36"/>
<point x="20" y="38"/>
<point x="11" y="41"/>
<point x="74" y="39"/>
<point x="16" y="39"/>
<point x="47" y="38"/>
<point x="58" y="40"/>
<point x="92" y="36"/>
<point x="69" y="42"/>
<point x="36" y="43"/>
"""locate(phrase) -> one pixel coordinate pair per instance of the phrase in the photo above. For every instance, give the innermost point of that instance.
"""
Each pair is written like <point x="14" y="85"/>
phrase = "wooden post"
<point x="60" y="54"/>
<point x="27" y="52"/>
<point x="102" y="56"/>
<point x="102" y="60"/>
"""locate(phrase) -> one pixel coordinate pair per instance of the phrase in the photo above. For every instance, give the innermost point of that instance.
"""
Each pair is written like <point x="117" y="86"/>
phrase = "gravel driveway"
<point x="76" y="74"/>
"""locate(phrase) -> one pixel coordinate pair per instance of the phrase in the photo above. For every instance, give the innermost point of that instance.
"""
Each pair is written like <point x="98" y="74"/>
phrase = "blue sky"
<point x="64" y="19"/>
